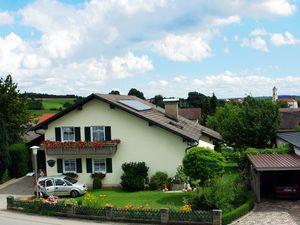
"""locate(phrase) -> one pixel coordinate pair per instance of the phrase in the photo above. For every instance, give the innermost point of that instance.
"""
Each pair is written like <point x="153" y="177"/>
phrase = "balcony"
<point x="80" y="148"/>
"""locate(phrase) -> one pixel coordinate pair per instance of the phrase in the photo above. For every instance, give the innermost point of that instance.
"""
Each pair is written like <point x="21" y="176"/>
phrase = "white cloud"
<point x="225" y="21"/>
<point x="228" y="85"/>
<point x="256" y="43"/>
<point x="283" y="39"/>
<point x="6" y="18"/>
<point x="187" y="47"/>
<point x="180" y="79"/>
<point x="259" y="32"/>
<point x="130" y="65"/>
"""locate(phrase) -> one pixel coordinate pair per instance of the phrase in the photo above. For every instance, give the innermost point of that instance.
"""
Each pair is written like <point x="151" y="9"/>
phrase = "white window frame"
<point x="64" y="168"/>
<point x="92" y="133"/>
<point x="62" y="134"/>
<point x="94" y="165"/>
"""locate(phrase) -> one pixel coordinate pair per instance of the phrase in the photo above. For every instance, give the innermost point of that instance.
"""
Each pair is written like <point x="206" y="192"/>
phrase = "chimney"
<point x="171" y="108"/>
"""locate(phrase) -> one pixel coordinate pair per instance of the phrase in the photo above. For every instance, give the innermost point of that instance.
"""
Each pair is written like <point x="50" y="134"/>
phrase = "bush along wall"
<point x="19" y="157"/>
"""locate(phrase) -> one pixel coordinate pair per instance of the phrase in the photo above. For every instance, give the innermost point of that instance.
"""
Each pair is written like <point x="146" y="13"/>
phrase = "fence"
<point x="164" y="215"/>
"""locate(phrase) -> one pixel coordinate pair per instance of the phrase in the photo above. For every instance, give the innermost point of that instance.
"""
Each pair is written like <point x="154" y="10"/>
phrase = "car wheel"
<point x="74" y="194"/>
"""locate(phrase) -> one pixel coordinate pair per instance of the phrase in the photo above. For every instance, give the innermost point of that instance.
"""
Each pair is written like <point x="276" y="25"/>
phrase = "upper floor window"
<point x="98" y="133"/>
<point x="68" y="133"/>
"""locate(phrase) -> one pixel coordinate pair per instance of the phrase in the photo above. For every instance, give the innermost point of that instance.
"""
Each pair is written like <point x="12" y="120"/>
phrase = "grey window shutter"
<point x="108" y="133"/>
<point x="89" y="166"/>
<point x="78" y="165"/>
<point x="57" y="134"/>
<point x="87" y="133"/>
<point x="59" y="166"/>
<point x="77" y="134"/>
<point x="108" y="165"/>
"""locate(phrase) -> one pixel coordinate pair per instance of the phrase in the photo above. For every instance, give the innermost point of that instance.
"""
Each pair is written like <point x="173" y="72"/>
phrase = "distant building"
<point x="275" y="94"/>
<point x="193" y="114"/>
<point x="290" y="118"/>
<point x="292" y="103"/>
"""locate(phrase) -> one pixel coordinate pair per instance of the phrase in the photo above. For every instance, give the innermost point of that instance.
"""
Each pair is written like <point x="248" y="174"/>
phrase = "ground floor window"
<point x="99" y="166"/>
<point x="69" y="165"/>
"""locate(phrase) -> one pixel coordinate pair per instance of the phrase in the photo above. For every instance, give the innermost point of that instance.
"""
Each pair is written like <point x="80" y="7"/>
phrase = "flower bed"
<point x="79" y="144"/>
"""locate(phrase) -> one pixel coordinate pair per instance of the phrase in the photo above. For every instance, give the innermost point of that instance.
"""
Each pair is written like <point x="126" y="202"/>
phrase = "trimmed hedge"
<point x="238" y="212"/>
<point x="19" y="155"/>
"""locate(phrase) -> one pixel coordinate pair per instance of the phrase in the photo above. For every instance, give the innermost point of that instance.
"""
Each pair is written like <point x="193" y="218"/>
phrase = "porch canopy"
<point x="275" y="162"/>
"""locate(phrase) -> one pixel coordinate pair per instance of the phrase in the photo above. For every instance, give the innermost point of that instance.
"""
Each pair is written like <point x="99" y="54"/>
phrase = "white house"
<point x="103" y="131"/>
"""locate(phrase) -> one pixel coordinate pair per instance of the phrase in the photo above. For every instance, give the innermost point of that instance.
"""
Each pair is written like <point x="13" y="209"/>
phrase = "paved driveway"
<point x="273" y="212"/>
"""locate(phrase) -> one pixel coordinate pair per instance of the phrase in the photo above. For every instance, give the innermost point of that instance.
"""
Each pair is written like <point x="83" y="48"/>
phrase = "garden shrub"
<point x="97" y="183"/>
<point x="222" y="194"/>
<point x="180" y="177"/>
<point x="134" y="176"/>
<point x="236" y="213"/>
<point x="231" y="155"/>
<point x="19" y="155"/>
<point x="202" y="164"/>
<point x="159" y="181"/>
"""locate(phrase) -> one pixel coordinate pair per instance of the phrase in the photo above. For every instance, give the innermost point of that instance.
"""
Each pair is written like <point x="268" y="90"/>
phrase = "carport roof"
<point x="275" y="162"/>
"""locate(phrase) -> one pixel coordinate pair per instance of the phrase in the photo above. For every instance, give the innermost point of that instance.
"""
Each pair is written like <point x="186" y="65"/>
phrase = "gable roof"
<point x="190" y="113"/>
<point x="45" y="116"/>
<point x="292" y="138"/>
<point x="189" y="130"/>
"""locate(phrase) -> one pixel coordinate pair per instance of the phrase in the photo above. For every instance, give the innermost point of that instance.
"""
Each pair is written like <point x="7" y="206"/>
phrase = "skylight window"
<point x="135" y="104"/>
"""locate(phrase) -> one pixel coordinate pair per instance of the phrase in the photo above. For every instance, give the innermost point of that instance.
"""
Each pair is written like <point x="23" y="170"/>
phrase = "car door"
<point x="61" y="187"/>
<point x="49" y="187"/>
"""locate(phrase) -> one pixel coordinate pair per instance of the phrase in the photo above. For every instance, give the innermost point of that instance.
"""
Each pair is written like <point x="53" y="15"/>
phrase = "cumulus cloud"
<point x="130" y="65"/>
<point x="225" y="21"/>
<point x="283" y="39"/>
<point x="187" y="47"/>
<point x="228" y="85"/>
<point x="256" y="43"/>
<point x="6" y="18"/>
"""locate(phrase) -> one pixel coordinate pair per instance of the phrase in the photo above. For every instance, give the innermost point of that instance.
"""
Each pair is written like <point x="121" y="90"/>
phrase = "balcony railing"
<point x="80" y="148"/>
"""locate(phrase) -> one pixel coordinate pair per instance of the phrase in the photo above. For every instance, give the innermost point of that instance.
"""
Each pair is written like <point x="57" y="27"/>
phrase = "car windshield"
<point x="71" y="180"/>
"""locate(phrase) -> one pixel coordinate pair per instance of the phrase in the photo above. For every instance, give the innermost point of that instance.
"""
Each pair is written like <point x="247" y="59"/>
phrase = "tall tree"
<point x="158" y="100"/>
<point x="251" y="124"/>
<point x="13" y="110"/>
<point x="136" y="93"/>
<point x="114" y="92"/>
<point x="213" y="104"/>
<point x="4" y="154"/>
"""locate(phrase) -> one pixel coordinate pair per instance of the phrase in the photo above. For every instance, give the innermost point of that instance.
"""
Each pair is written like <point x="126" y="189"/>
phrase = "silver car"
<point x="60" y="186"/>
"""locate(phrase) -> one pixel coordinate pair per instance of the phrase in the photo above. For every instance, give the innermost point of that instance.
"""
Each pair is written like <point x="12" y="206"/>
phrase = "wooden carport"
<point x="275" y="163"/>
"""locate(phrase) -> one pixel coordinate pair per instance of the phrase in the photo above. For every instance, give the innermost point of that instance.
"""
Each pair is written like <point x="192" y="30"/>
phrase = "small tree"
<point x="136" y="93"/>
<point x="114" y="92"/>
<point x="203" y="164"/>
<point x="134" y="176"/>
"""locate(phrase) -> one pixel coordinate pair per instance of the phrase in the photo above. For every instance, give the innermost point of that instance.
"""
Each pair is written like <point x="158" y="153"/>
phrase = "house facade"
<point x="101" y="133"/>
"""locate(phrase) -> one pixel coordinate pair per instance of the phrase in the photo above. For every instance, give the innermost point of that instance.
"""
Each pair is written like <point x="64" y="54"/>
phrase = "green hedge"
<point x="19" y="155"/>
<point x="238" y="212"/>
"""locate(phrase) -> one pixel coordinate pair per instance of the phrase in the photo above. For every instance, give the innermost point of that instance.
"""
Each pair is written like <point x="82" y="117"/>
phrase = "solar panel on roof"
<point x="135" y="104"/>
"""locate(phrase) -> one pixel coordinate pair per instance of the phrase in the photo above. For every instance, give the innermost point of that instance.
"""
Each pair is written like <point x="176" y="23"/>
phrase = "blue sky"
<point x="232" y="48"/>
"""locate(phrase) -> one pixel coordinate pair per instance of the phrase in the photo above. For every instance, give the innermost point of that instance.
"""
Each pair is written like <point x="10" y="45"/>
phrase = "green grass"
<point x="152" y="199"/>
<point x="51" y="106"/>
<point x="56" y="103"/>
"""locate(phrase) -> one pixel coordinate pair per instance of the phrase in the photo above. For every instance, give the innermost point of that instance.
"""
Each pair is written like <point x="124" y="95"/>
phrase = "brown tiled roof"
<point x="190" y="113"/>
<point x="275" y="162"/>
<point x="155" y="116"/>
<point x="290" y="118"/>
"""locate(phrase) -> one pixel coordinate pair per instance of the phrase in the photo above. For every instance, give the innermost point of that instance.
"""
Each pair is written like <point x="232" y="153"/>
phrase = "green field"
<point x="52" y="105"/>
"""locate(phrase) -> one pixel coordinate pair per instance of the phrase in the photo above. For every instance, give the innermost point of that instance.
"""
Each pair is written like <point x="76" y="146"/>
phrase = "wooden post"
<point x="109" y="212"/>
<point x="217" y="217"/>
<point x="70" y="209"/>
<point x="164" y="215"/>
<point x="10" y="202"/>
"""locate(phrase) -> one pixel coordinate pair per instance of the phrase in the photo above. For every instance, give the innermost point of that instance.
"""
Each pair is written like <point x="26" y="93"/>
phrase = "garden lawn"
<point x="149" y="199"/>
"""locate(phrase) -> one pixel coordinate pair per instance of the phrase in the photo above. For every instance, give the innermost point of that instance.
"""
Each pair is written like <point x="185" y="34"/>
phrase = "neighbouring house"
<point x="292" y="103"/>
<point x="103" y="131"/>
<point x="193" y="114"/>
<point x="45" y="117"/>
<point x="268" y="170"/>
<point x="290" y="118"/>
